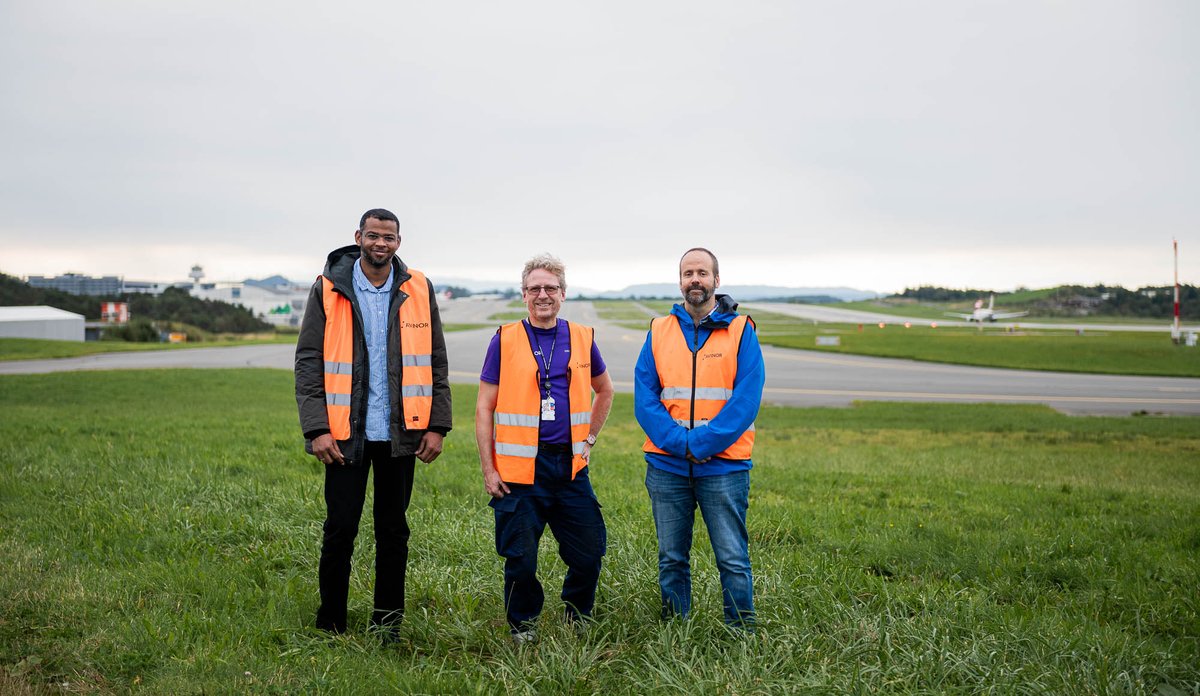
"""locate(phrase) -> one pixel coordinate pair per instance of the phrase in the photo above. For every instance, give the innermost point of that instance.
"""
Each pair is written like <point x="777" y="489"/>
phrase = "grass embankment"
<point x="38" y="349"/>
<point x="517" y="311"/>
<point x="518" y="305"/>
<point x="623" y="312"/>
<point x="659" y="307"/>
<point x="1112" y="352"/>
<point x="905" y="309"/>
<point x="631" y="314"/>
<point x="160" y="531"/>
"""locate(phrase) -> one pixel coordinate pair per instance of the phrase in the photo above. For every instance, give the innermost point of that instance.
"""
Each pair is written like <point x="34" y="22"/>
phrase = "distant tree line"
<point x="931" y="293"/>
<point x="1150" y="301"/>
<point x="1155" y="302"/>
<point x="174" y="305"/>
<point x="811" y="299"/>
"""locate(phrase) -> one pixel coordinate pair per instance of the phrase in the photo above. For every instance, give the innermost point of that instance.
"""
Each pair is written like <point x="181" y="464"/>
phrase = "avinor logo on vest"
<point x="415" y="325"/>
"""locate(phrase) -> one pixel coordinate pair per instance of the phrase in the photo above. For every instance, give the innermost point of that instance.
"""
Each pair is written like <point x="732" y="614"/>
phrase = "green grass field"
<point x="160" y="533"/>
<point x="621" y="312"/>
<point x="662" y="307"/>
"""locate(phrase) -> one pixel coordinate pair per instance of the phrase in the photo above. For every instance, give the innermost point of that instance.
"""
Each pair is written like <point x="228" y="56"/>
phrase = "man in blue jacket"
<point x="697" y="388"/>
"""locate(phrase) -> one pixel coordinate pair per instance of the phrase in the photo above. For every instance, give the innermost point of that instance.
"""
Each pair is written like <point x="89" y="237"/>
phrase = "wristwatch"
<point x="591" y="440"/>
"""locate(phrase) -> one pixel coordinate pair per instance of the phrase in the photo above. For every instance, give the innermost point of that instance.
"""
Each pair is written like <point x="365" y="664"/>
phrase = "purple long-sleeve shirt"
<point x="540" y="342"/>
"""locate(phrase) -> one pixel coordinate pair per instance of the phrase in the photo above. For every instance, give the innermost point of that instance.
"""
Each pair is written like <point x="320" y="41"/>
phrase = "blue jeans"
<point x="723" y="501"/>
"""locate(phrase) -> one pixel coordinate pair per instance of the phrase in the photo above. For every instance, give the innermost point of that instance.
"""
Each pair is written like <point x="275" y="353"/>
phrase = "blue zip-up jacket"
<point x="735" y="417"/>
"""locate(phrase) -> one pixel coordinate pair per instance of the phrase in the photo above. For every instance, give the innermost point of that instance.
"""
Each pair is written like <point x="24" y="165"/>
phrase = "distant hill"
<point x="745" y="293"/>
<point x="476" y="286"/>
<point x="741" y="293"/>
<point x="271" y="282"/>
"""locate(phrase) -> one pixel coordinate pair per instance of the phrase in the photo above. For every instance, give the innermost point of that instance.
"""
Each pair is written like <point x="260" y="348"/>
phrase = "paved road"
<point x="794" y="377"/>
<point x="268" y="355"/>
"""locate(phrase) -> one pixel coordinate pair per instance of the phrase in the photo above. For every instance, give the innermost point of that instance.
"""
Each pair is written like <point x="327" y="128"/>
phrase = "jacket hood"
<point x="339" y="267"/>
<point x="725" y="304"/>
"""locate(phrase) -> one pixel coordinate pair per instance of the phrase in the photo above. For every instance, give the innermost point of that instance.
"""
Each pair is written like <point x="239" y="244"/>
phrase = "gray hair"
<point x="545" y="262"/>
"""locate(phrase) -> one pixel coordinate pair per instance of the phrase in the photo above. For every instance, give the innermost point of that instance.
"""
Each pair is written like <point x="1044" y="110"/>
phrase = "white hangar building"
<point x="40" y="322"/>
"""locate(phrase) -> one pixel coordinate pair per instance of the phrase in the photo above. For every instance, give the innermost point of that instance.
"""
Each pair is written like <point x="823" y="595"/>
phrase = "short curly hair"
<point x="381" y="214"/>
<point x="546" y="262"/>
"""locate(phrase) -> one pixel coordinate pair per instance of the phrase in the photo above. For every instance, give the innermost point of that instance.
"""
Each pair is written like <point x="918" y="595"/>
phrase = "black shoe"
<point x="387" y="634"/>
<point x="387" y="617"/>
<point x="387" y="625"/>
<point x="331" y="627"/>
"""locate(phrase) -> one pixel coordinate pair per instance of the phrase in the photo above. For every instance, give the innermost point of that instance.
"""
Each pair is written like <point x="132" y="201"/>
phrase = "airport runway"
<point x="834" y="315"/>
<point x="794" y="377"/>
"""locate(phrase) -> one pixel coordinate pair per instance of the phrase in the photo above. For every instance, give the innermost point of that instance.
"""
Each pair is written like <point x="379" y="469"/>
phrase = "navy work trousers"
<point x="571" y="510"/>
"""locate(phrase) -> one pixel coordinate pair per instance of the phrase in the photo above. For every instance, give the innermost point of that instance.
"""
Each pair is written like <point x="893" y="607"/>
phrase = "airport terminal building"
<point x="275" y="300"/>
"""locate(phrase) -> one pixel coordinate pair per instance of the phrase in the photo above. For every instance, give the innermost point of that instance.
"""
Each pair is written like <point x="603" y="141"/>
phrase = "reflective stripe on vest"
<point x="694" y="403"/>
<point x="416" y="348"/>
<point x="519" y="402"/>
<point x="416" y="353"/>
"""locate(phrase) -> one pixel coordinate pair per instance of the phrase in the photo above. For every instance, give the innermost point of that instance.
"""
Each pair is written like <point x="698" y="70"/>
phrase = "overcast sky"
<point x="875" y="145"/>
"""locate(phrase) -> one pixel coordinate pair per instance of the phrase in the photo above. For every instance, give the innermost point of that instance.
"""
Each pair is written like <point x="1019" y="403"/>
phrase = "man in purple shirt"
<point x="527" y="385"/>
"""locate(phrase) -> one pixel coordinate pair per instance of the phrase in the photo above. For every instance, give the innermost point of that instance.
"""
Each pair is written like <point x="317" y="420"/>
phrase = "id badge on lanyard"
<point x="548" y="401"/>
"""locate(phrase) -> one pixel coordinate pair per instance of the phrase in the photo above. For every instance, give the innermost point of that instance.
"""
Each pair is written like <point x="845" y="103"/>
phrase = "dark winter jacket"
<point x="310" y="364"/>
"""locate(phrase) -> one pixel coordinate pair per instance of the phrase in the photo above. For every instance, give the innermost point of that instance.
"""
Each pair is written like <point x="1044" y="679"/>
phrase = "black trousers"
<point x="345" y="492"/>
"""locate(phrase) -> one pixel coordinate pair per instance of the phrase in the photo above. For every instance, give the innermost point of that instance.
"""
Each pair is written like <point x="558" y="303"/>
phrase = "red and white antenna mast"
<point x="1175" y="244"/>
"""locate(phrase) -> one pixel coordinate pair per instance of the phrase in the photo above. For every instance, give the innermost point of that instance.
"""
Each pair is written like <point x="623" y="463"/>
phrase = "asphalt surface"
<point x="794" y="377"/>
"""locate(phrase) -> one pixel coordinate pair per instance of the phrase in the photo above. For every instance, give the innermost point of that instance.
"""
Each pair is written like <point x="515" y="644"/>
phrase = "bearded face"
<point x="697" y="281"/>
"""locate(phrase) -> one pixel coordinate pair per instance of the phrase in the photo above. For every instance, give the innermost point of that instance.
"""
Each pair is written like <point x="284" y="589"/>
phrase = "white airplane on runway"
<point x="988" y="313"/>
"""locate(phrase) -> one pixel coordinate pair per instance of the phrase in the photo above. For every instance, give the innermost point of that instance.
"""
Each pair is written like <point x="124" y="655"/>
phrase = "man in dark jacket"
<point x="373" y="389"/>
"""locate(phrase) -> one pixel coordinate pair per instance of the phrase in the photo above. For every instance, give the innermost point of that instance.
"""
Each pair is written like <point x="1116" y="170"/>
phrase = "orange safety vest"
<point x="416" y="355"/>
<point x="695" y="386"/>
<point x="519" y="402"/>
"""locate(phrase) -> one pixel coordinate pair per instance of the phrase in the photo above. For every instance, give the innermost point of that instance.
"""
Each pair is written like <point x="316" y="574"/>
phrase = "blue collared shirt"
<point x="374" y="303"/>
